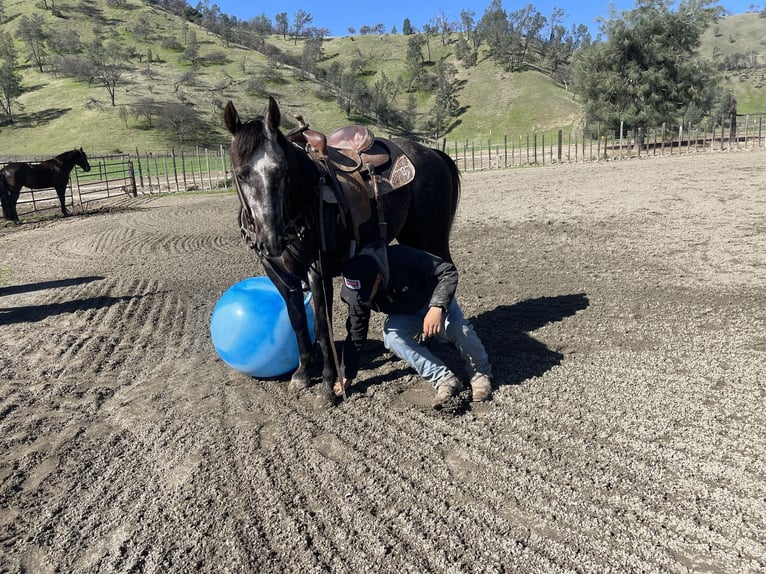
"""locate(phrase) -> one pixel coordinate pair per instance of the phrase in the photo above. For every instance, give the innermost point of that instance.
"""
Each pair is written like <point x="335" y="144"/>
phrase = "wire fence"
<point x="204" y="169"/>
<point x="586" y="146"/>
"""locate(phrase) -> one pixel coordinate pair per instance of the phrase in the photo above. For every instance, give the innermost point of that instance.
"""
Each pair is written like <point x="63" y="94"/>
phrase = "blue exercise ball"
<point x="251" y="331"/>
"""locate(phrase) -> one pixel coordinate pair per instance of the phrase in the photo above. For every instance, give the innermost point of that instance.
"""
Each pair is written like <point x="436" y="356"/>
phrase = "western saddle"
<point x="360" y="166"/>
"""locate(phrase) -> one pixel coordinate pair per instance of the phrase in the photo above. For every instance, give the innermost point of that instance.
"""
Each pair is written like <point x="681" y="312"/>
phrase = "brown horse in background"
<point x="49" y="173"/>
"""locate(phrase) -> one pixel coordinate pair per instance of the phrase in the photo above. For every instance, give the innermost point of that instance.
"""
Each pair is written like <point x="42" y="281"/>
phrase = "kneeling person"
<point x="416" y="290"/>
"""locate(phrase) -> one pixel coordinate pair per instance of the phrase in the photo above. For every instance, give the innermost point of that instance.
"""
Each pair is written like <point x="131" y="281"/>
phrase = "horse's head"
<point x="260" y="171"/>
<point x="81" y="159"/>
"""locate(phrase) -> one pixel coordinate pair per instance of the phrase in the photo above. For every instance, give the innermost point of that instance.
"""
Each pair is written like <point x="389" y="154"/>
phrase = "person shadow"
<point x="515" y="355"/>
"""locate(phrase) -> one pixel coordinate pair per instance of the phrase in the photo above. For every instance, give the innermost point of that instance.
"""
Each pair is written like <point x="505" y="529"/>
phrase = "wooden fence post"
<point x="621" y="128"/>
<point x="183" y="170"/>
<point x="140" y="172"/>
<point x="167" y="171"/>
<point x="132" y="178"/>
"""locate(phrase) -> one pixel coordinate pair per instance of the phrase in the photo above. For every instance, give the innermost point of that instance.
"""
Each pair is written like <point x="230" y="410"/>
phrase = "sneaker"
<point x="481" y="385"/>
<point x="446" y="389"/>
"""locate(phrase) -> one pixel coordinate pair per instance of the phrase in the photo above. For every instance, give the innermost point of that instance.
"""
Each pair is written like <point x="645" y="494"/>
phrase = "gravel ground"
<point x="623" y="308"/>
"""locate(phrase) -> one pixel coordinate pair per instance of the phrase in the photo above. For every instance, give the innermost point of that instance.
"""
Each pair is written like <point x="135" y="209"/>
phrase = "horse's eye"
<point x="242" y="171"/>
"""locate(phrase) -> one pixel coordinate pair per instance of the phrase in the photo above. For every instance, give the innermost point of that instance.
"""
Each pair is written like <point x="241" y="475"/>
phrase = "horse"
<point x="49" y="173"/>
<point x="299" y="242"/>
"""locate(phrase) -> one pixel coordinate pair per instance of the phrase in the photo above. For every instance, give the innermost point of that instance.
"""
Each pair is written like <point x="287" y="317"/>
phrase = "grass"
<point x="743" y="34"/>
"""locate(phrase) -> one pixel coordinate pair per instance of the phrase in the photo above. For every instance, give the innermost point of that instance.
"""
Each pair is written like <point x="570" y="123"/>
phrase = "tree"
<point x="409" y="117"/>
<point x="472" y="39"/>
<point x="180" y="120"/>
<point x="300" y="21"/>
<point x="147" y="109"/>
<point x="444" y="27"/>
<point x="282" y="23"/>
<point x="493" y="29"/>
<point x="10" y="79"/>
<point x="525" y="26"/>
<point x="647" y="72"/>
<point x="261" y="27"/>
<point x="446" y="105"/>
<point x="142" y="29"/>
<point x="407" y="28"/>
<point x="33" y="33"/>
<point x="107" y="65"/>
<point x="414" y="58"/>
<point x="191" y="52"/>
<point x="313" y="53"/>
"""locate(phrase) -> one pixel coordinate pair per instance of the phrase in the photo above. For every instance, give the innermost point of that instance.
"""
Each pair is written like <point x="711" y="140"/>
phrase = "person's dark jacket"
<point x="416" y="278"/>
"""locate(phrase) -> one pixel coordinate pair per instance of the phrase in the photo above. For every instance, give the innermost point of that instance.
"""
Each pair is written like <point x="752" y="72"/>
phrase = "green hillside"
<point x="738" y="45"/>
<point x="56" y="112"/>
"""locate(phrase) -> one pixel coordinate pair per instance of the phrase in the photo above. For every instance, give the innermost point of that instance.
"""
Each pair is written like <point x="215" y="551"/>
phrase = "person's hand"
<point x="432" y="323"/>
<point x="340" y="388"/>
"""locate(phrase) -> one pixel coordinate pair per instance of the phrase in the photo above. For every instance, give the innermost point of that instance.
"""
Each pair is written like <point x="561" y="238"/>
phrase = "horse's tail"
<point x="5" y="196"/>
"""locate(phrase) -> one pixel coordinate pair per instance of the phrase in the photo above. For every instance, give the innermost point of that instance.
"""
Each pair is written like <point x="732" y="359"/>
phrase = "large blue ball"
<point x="251" y="331"/>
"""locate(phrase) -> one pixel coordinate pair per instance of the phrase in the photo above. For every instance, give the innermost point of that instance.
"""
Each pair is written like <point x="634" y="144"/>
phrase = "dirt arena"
<point x="624" y="310"/>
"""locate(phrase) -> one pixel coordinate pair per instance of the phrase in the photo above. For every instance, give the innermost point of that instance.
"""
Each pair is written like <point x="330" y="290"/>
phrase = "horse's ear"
<point x="231" y="118"/>
<point x="273" y="115"/>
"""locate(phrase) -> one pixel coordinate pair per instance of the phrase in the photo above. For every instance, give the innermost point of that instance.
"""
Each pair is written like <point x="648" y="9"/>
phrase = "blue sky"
<point x="338" y="15"/>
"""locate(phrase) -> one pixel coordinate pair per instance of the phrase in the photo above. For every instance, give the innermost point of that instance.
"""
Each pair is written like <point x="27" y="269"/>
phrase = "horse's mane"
<point x="68" y="154"/>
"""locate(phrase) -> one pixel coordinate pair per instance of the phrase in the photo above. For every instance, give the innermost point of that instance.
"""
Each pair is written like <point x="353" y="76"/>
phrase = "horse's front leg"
<point x="322" y="293"/>
<point x="14" y="195"/>
<point x="8" y="198"/>
<point x="61" y="191"/>
<point x="289" y="287"/>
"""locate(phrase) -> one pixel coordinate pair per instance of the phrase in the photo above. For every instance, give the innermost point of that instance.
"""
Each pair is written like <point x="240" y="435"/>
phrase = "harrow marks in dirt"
<point x="625" y="433"/>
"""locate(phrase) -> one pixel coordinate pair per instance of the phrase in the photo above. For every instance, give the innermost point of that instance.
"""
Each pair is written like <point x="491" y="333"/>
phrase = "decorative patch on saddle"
<point x="402" y="172"/>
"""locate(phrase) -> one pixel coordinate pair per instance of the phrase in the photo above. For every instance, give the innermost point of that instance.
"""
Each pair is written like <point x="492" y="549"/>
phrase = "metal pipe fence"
<point x="129" y="175"/>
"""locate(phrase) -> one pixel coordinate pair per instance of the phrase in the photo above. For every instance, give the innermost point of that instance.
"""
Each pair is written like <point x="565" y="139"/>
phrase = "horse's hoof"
<point x="323" y="402"/>
<point x="298" y="384"/>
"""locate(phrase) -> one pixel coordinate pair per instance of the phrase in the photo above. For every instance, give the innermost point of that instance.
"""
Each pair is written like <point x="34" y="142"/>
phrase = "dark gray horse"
<point x="281" y="216"/>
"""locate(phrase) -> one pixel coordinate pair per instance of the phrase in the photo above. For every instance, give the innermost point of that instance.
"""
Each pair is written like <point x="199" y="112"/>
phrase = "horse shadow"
<point x="43" y="285"/>
<point x="35" y="313"/>
<point x="515" y="355"/>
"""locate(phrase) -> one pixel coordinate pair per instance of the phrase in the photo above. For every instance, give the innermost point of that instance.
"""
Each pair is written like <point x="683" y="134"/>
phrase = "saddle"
<point x="361" y="168"/>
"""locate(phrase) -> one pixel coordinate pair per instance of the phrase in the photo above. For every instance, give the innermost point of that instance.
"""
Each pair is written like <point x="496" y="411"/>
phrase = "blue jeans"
<point x="401" y="333"/>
